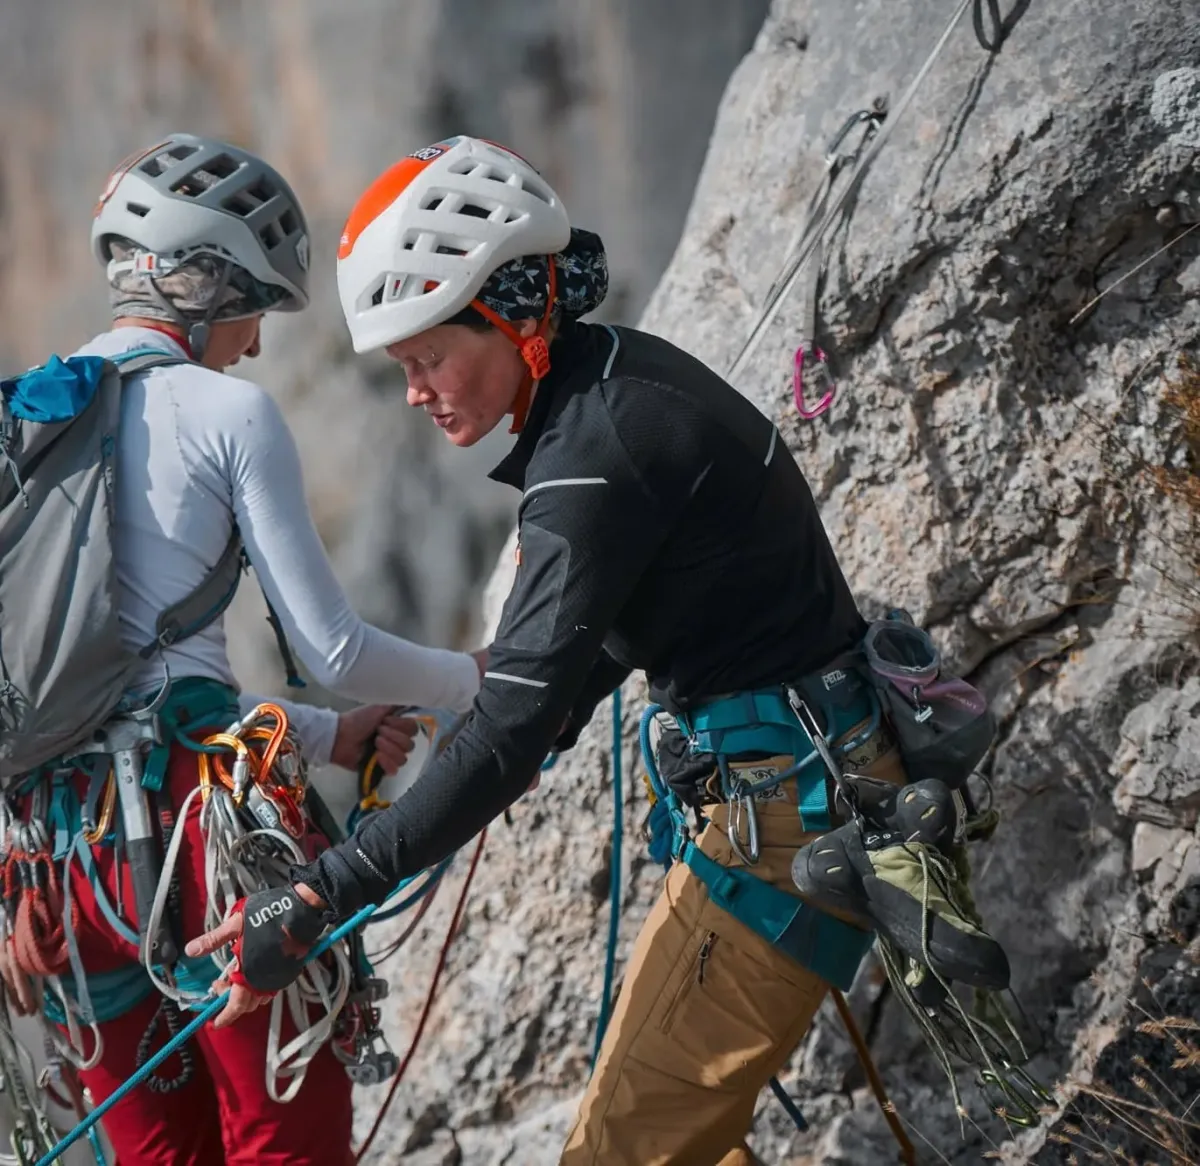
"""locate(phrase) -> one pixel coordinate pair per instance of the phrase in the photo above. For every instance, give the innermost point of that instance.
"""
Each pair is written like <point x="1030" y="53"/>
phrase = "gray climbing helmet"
<point x="191" y="199"/>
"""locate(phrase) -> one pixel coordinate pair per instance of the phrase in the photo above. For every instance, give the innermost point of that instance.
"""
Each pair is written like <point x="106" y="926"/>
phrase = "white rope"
<point x="239" y="861"/>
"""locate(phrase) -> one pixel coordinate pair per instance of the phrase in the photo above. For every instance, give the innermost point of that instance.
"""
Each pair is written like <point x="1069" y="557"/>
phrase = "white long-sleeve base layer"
<point x="199" y="451"/>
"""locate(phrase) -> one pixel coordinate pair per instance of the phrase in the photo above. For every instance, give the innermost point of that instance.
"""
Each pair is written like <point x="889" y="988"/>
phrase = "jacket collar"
<point x="572" y="351"/>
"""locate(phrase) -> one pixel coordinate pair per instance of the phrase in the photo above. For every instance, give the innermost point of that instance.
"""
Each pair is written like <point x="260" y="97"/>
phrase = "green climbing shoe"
<point x="890" y="871"/>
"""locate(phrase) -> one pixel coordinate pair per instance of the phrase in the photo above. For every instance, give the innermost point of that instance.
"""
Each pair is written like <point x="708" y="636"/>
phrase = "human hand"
<point x="373" y="728"/>
<point x="268" y="953"/>
<point x="21" y="998"/>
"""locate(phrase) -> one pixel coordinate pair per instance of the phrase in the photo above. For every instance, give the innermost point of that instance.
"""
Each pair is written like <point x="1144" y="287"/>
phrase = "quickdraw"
<point x="836" y="160"/>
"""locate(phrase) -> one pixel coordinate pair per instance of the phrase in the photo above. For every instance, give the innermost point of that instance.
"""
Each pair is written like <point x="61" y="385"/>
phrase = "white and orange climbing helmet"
<point x="426" y="234"/>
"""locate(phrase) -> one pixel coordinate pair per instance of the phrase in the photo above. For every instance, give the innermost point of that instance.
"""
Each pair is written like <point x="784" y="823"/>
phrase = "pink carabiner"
<point x="798" y="385"/>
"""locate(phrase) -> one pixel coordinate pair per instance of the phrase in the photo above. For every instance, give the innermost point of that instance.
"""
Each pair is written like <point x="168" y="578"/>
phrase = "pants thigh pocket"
<point x="732" y="1011"/>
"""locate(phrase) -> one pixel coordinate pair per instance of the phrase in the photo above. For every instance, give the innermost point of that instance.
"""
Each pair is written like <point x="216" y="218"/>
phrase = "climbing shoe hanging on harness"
<point x="891" y="870"/>
<point x="899" y="866"/>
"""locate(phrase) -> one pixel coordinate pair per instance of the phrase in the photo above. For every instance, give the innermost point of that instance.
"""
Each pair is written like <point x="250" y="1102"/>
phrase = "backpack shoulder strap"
<point x="215" y="592"/>
<point x="140" y="359"/>
<point x="212" y="595"/>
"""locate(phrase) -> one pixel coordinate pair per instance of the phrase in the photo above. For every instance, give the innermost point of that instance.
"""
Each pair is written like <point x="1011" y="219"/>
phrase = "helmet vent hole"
<point x="432" y="203"/>
<point x="240" y="204"/>
<point x="136" y="208"/>
<point x="222" y="166"/>
<point x="270" y="236"/>
<point x="474" y="210"/>
<point x="377" y="294"/>
<point x="443" y="250"/>
<point x="287" y="222"/>
<point x="152" y="167"/>
<point x="205" y="177"/>
<point x="261" y="191"/>
<point x="183" y="150"/>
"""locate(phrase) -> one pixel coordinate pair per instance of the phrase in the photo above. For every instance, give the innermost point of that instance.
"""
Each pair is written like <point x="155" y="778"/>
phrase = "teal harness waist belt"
<point x="763" y="722"/>
<point x="825" y="945"/>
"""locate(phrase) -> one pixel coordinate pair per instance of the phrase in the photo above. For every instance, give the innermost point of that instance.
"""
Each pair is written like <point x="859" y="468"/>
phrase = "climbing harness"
<point x="814" y="231"/>
<point x="766" y="721"/>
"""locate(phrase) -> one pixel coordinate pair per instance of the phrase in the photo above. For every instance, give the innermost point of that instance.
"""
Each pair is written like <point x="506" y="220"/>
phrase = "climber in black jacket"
<point x="660" y="510"/>
<point x="663" y="526"/>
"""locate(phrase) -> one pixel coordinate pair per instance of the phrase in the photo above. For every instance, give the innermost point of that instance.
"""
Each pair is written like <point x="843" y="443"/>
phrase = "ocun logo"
<point x="271" y="911"/>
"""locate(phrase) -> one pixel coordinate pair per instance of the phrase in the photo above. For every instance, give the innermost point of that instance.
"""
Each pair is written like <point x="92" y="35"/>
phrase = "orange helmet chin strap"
<point x="534" y="350"/>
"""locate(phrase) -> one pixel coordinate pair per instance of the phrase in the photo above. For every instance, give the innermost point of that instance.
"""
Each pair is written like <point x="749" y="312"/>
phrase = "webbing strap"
<point x="138" y="360"/>
<point x="826" y="946"/>
<point x="191" y="704"/>
<point x="86" y="1012"/>
<point x="119" y="926"/>
<point x="762" y="721"/>
<point x="204" y="605"/>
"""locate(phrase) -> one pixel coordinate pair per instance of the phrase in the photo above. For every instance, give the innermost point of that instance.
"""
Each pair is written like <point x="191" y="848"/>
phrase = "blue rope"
<point x="424" y="889"/>
<point x="190" y="1030"/>
<point x="793" y="1110"/>
<point x="614" y="914"/>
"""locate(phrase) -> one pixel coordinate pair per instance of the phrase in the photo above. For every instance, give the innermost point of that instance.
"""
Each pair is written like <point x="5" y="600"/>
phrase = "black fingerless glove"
<point x="268" y="918"/>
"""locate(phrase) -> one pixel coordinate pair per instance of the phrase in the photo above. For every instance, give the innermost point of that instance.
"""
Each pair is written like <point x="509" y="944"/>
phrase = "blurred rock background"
<point x="606" y="97"/>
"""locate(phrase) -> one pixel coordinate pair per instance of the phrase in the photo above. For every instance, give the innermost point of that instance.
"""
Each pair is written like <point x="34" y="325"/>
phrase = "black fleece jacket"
<point x="663" y="526"/>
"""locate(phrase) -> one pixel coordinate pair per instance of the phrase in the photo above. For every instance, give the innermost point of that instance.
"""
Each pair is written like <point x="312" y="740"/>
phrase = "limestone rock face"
<point x="993" y="461"/>
<point x="1004" y="458"/>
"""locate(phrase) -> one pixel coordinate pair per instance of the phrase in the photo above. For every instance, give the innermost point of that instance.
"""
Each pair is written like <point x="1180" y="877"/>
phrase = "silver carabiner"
<point x="739" y="803"/>
<point x="873" y="118"/>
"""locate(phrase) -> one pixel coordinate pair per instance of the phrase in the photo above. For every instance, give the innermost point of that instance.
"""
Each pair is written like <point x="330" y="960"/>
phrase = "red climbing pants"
<point x="223" y="1114"/>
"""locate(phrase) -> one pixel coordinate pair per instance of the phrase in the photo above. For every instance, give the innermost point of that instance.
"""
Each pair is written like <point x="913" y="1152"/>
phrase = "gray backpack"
<point x="63" y="668"/>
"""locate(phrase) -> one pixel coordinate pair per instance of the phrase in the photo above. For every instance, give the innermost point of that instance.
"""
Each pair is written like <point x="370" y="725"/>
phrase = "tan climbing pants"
<point x="708" y="1011"/>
